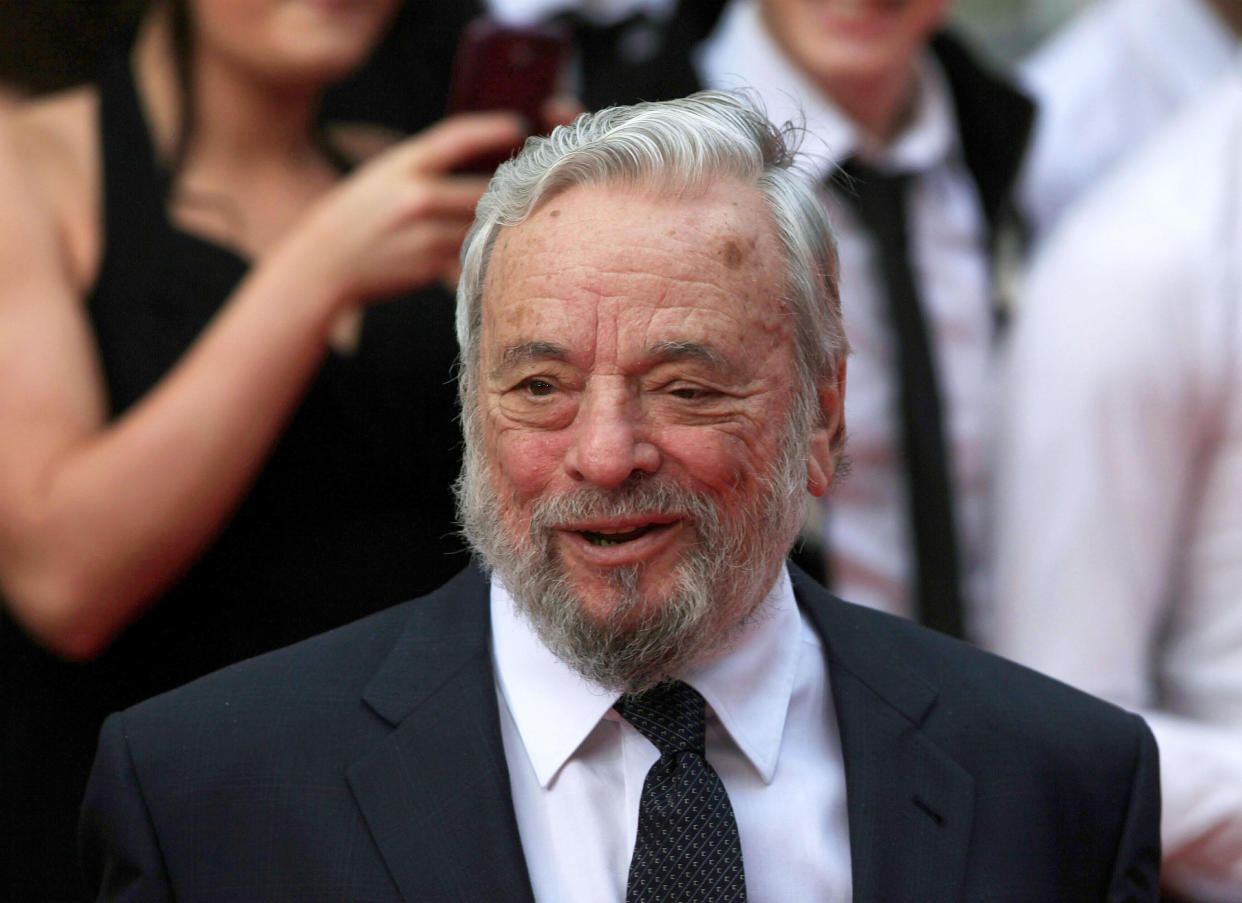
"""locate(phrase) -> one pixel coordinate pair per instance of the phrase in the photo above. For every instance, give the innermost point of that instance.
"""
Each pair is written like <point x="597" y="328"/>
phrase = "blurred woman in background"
<point x="210" y="443"/>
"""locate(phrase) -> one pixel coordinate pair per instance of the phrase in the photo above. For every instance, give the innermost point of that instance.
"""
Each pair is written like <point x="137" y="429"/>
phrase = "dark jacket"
<point x="367" y="764"/>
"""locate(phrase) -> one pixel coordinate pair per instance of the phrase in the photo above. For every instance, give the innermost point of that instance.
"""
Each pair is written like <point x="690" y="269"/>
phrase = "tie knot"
<point x="854" y="172"/>
<point x="879" y="198"/>
<point x="670" y="715"/>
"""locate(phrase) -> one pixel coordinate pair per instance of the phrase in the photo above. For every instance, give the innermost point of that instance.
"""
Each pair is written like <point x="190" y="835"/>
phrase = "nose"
<point x="609" y="444"/>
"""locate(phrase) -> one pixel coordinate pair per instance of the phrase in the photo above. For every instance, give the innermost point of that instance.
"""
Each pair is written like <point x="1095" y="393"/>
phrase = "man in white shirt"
<point x="644" y="702"/>
<point x="1120" y="490"/>
<point x="879" y="84"/>
<point x="1107" y="82"/>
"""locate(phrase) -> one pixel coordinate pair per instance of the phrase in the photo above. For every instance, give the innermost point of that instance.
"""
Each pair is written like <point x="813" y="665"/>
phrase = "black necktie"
<point x="687" y="849"/>
<point x="880" y="202"/>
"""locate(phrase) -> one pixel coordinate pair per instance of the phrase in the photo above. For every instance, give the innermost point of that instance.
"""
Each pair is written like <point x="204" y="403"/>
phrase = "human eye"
<point x="540" y="401"/>
<point x="536" y="387"/>
<point x="691" y="392"/>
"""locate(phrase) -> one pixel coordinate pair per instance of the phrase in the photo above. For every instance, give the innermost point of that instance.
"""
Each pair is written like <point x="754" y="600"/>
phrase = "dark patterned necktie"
<point x="880" y="202"/>
<point x="687" y="849"/>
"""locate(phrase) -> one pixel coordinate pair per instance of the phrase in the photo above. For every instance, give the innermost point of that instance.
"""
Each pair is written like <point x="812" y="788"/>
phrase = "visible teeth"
<point x="614" y="537"/>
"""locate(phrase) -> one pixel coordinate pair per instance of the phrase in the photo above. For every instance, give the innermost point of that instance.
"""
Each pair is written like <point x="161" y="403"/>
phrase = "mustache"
<point x="639" y="495"/>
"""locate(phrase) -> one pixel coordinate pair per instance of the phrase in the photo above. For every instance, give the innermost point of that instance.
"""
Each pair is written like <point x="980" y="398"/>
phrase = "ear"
<point x="827" y="436"/>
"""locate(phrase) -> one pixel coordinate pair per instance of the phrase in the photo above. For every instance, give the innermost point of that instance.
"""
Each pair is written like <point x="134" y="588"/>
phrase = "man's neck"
<point x="880" y="102"/>
<point x="880" y="106"/>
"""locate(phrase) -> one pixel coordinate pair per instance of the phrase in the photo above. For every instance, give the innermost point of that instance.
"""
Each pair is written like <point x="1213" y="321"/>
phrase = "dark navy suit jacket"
<point x="366" y="764"/>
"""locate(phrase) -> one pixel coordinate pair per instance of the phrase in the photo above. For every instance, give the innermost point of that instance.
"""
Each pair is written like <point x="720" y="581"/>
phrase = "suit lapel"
<point x="435" y="792"/>
<point x="436" y="796"/>
<point x="910" y="805"/>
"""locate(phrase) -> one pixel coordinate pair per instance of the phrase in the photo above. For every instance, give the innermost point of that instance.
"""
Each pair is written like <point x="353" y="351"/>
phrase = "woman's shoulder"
<point x="54" y="144"/>
<point x="57" y="130"/>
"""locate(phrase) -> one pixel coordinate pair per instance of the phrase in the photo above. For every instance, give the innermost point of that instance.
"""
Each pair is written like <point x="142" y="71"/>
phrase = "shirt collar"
<point x="748" y="687"/>
<point x="597" y="12"/>
<point x="740" y="53"/>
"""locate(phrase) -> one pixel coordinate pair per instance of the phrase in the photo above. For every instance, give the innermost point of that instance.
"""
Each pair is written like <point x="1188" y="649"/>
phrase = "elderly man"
<point x="644" y="702"/>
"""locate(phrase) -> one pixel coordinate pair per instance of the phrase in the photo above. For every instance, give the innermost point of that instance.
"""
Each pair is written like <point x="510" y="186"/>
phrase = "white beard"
<point x="717" y="586"/>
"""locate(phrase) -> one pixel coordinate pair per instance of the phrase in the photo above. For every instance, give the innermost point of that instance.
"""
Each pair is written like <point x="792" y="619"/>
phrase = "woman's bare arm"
<point x="96" y="518"/>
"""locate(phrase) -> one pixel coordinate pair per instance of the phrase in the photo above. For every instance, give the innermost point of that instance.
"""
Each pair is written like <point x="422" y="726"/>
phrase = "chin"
<point x="325" y="65"/>
<point x="856" y="61"/>
<point x="623" y="596"/>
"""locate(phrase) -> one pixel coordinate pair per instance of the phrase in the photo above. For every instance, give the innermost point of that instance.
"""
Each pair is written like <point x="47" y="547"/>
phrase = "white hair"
<point x="675" y="146"/>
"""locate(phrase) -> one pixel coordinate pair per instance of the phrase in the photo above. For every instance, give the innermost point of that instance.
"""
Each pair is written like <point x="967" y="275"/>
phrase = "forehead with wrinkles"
<point x="613" y="270"/>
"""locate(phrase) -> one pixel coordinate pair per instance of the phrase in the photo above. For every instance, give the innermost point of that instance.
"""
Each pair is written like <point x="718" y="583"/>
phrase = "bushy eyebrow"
<point x="525" y="352"/>
<point x="669" y="352"/>
<point x="517" y="355"/>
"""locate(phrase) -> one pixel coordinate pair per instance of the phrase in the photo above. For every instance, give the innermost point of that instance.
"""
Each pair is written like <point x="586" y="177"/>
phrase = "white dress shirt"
<point x="1120" y="491"/>
<point x="867" y="531"/>
<point x="577" y="769"/>
<point x="1105" y="84"/>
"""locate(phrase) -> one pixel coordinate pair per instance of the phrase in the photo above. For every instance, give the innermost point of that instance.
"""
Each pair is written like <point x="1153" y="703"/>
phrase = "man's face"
<point x="852" y="41"/>
<point x="635" y="387"/>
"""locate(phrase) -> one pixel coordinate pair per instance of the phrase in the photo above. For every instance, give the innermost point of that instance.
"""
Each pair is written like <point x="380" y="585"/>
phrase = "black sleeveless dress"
<point x="352" y="512"/>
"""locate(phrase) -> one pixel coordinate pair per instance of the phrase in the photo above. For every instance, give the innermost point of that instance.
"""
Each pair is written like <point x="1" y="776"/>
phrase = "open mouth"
<point x="617" y="537"/>
<point x="640" y="531"/>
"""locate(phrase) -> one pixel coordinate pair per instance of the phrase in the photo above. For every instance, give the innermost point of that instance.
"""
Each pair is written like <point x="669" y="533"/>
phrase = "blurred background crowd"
<point x="228" y="237"/>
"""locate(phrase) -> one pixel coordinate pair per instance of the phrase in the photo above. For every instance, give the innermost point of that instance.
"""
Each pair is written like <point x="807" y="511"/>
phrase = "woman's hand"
<point x="398" y="222"/>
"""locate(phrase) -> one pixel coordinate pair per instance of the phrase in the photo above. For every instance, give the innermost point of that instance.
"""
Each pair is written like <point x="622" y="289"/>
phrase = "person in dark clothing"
<point x="212" y="442"/>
